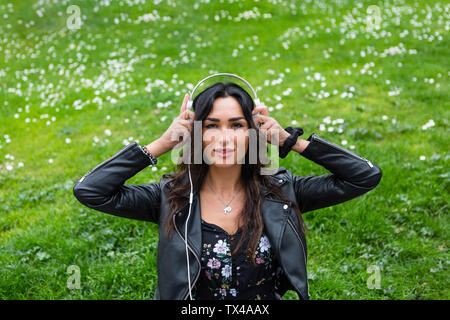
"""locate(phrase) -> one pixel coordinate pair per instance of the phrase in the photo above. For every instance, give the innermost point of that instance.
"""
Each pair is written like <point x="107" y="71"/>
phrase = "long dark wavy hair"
<point x="251" y="216"/>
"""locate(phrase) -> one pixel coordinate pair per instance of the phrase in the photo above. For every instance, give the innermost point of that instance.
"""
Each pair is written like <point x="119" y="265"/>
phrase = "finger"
<point x="262" y="110"/>
<point x="181" y="132"/>
<point x="184" y="104"/>
<point x="267" y="125"/>
<point x="179" y="137"/>
<point x="186" y="124"/>
<point x="257" y="119"/>
<point x="262" y="117"/>
<point x="187" y="115"/>
<point x="271" y="132"/>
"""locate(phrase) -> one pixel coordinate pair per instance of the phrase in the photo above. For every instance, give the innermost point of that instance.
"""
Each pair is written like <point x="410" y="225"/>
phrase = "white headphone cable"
<point x="191" y="196"/>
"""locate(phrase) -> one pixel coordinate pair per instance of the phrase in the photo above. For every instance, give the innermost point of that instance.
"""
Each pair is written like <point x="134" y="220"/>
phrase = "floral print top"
<point x="226" y="277"/>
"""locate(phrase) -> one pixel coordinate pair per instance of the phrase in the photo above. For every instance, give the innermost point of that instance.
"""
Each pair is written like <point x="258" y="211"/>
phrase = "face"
<point x="225" y="128"/>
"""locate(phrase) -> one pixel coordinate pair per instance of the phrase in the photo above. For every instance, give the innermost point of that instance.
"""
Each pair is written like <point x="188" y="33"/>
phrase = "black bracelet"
<point x="290" y="141"/>
<point x="152" y="157"/>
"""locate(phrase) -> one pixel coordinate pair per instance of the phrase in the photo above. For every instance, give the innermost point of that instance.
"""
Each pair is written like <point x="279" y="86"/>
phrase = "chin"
<point x="224" y="163"/>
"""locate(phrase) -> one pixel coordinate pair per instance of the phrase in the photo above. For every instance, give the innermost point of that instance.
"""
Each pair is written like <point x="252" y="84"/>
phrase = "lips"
<point x="224" y="152"/>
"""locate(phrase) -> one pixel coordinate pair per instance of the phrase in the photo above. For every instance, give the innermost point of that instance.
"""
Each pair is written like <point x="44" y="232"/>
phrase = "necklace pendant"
<point x="227" y="209"/>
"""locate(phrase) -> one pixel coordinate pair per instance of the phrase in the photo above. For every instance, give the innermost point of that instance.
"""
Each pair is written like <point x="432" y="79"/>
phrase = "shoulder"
<point x="281" y="171"/>
<point x="281" y="175"/>
<point x="165" y="179"/>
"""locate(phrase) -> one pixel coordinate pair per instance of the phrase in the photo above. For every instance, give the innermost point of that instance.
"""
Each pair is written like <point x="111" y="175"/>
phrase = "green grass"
<point x="402" y="226"/>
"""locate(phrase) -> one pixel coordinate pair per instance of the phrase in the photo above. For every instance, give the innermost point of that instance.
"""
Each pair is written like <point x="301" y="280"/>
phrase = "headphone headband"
<point x="190" y="101"/>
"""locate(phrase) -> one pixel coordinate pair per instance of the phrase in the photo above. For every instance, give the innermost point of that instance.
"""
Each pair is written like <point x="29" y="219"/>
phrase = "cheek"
<point x="208" y="137"/>
<point x="242" y="139"/>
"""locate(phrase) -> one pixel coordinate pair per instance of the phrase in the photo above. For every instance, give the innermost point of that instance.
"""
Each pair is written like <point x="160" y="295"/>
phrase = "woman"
<point x="245" y="232"/>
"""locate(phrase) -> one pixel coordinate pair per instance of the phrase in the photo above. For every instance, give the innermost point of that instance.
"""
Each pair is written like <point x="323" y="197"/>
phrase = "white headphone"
<point x="191" y="196"/>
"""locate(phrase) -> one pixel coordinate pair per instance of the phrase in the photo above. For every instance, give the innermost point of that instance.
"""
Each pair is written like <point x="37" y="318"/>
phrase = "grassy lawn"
<point x="71" y="98"/>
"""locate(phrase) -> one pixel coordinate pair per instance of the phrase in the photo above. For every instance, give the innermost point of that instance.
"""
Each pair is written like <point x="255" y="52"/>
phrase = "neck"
<point x="224" y="181"/>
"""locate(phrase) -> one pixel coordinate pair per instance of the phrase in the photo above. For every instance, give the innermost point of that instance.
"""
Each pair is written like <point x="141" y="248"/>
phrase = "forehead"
<point x="226" y="108"/>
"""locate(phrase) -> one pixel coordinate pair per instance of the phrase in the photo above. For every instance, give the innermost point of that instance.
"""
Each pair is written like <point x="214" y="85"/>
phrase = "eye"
<point x="235" y="125"/>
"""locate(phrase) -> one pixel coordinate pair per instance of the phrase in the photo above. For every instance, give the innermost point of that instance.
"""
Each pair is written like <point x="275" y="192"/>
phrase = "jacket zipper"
<point x="106" y="161"/>
<point x="303" y="248"/>
<point x="198" y="274"/>
<point x="342" y="150"/>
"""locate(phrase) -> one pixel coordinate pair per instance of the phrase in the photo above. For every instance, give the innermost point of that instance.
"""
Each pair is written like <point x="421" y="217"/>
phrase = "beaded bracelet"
<point x="290" y="141"/>
<point x="152" y="157"/>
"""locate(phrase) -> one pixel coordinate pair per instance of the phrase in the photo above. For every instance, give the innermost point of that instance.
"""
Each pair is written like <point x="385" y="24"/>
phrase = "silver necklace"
<point x="227" y="208"/>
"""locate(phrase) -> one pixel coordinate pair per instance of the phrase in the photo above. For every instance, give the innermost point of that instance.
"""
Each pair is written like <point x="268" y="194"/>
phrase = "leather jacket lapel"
<point x="274" y="223"/>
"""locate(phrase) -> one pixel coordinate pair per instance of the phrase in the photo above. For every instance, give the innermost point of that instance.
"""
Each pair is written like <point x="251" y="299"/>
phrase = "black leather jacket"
<point x="103" y="189"/>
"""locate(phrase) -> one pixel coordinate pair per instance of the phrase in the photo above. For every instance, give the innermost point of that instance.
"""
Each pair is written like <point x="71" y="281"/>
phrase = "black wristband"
<point x="152" y="158"/>
<point x="290" y="141"/>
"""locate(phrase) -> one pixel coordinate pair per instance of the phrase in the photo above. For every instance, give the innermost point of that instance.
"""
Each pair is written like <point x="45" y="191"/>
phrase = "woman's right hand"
<point x="181" y="127"/>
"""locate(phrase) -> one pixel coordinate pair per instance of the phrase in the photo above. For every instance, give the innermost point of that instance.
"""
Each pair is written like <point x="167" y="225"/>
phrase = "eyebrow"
<point x="231" y="119"/>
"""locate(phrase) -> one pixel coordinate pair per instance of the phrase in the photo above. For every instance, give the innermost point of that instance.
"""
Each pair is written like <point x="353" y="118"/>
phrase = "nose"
<point x="225" y="137"/>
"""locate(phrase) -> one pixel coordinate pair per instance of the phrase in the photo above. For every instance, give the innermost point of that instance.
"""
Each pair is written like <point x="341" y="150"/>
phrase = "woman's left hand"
<point x="269" y="126"/>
